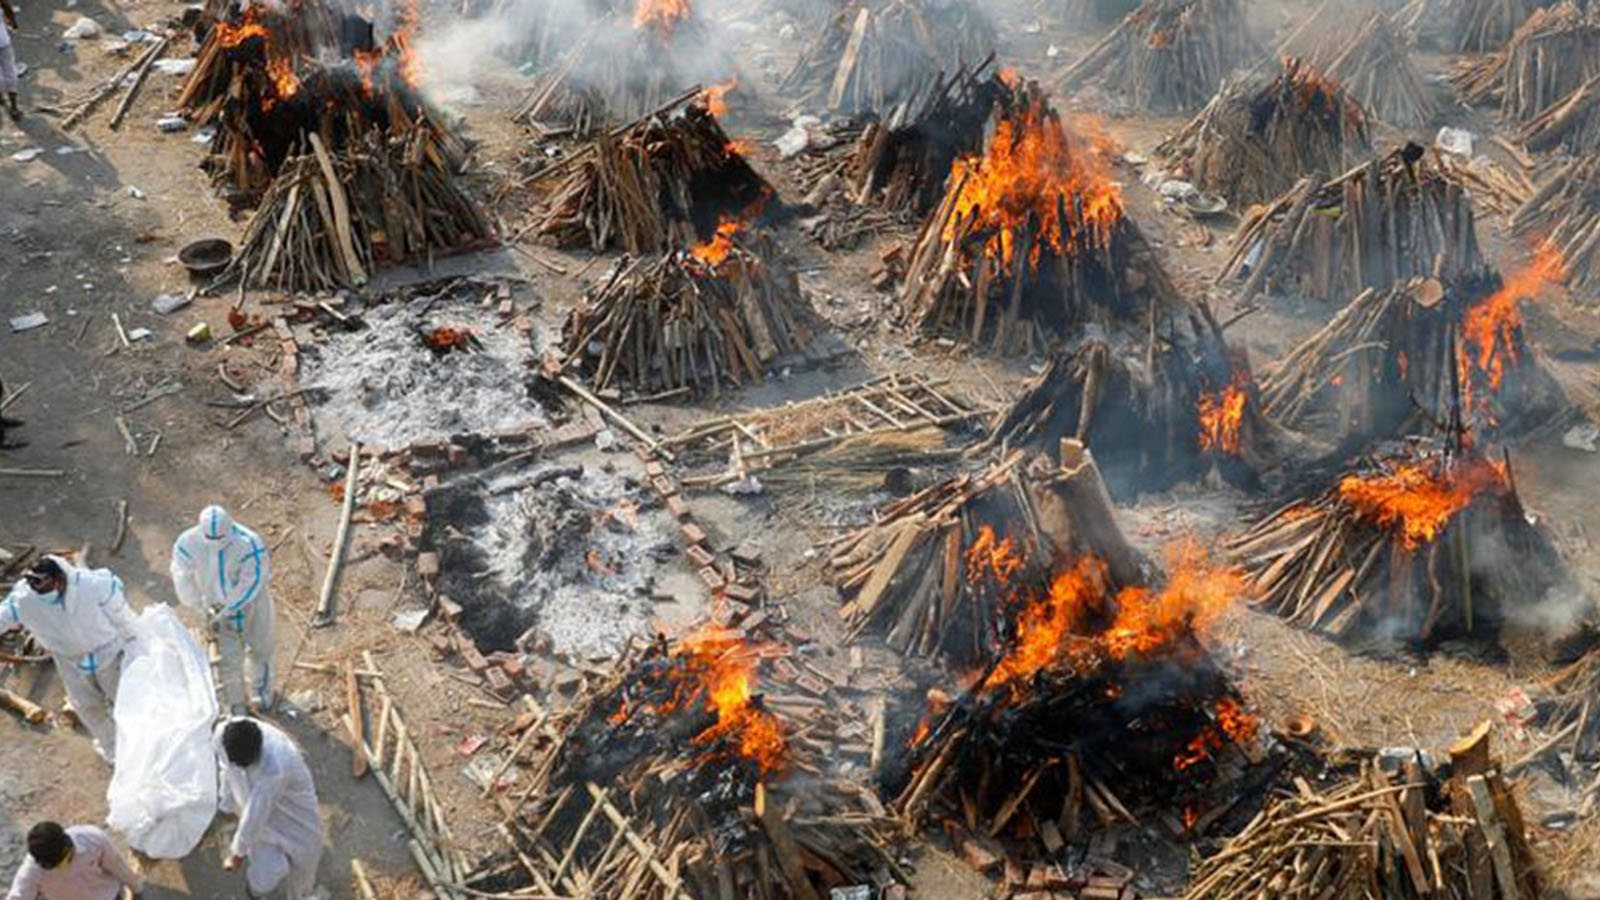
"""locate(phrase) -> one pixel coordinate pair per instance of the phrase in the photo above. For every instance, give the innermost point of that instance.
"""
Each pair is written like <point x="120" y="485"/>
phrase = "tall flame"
<point x="408" y="19"/>
<point x="714" y="251"/>
<point x="716" y="96"/>
<point x="1222" y="415"/>
<point x="726" y="670"/>
<point x="1487" y="345"/>
<point x="1033" y="172"/>
<point x="663" y="15"/>
<point x="1417" y="500"/>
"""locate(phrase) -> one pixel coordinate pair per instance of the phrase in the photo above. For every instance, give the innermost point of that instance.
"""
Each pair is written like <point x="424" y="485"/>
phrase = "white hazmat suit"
<point x="86" y="627"/>
<point x="224" y="570"/>
<point x="280" y="828"/>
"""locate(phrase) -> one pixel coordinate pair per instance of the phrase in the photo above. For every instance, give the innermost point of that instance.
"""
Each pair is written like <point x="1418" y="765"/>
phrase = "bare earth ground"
<point x="77" y="246"/>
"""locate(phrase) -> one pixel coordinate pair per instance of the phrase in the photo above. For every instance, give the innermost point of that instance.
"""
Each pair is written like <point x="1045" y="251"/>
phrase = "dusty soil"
<point x="80" y="246"/>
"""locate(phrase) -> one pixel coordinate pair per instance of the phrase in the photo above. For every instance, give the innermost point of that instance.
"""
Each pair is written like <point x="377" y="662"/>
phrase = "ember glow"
<point x="1034" y="174"/>
<point x="1221" y="415"/>
<point x="714" y="251"/>
<point x="718" y="665"/>
<point x="663" y="15"/>
<point x="1487" y="342"/>
<point x="1417" y="500"/>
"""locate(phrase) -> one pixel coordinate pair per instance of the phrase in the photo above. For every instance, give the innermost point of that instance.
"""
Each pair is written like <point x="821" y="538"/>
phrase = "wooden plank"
<point x="847" y="62"/>
<point x="784" y="846"/>
<point x="341" y="212"/>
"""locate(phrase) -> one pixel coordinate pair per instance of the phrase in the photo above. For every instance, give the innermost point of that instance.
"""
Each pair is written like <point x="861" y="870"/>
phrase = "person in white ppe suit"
<point x="77" y="863"/>
<point x="81" y="618"/>
<point x="224" y="570"/>
<point x="266" y="782"/>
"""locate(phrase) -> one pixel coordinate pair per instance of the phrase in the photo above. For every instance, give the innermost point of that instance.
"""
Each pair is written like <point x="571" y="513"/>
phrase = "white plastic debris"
<point x="1052" y="51"/>
<point x="798" y="137"/>
<point x="28" y="155"/>
<point x="136" y="193"/>
<point x="1454" y="140"/>
<point x="138" y="334"/>
<point x="605" y="440"/>
<point x="748" y="486"/>
<point x="167" y="304"/>
<point x="1176" y="189"/>
<point x="1582" y="436"/>
<point x="204" y="135"/>
<point x="29" y="321"/>
<point x="170" y="124"/>
<point x="408" y="622"/>
<point x="174" y="66"/>
<point x="83" y="29"/>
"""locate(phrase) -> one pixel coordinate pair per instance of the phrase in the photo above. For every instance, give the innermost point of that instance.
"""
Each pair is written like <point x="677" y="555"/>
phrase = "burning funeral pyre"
<point x="1420" y="544"/>
<point x="1418" y="356"/>
<point x="679" y="761"/>
<point x="1565" y="213"/>
<point x="875" y="53"/>
<point x="1098" y="704"/>
<point x="1397" y="217"/>
<point x="1547" y="80"/>
<point x="906" y="575"/>
<point x="668" y="181"/>
<point x="1373" y="63"/>
<point x="713" y="317"/>
<point x="1168" y="55"/>
<point x="1257" y="134"/>
<point x="1030" y="242"/>
<point x="626" y="65"/>
<point x="903" y="160"/>
<point x="344" y="165"/>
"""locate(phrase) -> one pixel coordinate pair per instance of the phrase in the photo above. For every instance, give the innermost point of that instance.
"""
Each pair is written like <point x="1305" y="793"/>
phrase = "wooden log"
<point x="784" y="846"/>
<point x="341" y="540"/>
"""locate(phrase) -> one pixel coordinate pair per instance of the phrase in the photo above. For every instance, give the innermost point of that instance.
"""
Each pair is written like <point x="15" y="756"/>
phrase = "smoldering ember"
<point x="800" y="449"/>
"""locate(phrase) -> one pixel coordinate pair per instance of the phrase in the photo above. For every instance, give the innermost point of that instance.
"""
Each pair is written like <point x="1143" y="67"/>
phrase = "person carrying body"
<point x="266" y="782"/>
<point x="81" y="618"/>
<point x="77" y="863"/>
<point x="224" y="570"/>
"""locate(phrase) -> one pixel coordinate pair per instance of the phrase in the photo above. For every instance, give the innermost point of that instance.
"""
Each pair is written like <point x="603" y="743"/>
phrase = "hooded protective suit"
<point x="86" y="627"/>
<point x="223" y="569"/>
<point x="280" y="828"/>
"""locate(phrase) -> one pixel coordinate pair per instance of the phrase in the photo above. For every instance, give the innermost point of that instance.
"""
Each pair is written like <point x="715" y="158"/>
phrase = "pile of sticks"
<point x="903" y="161"/>
<point x="1258" y="134"/>
<point x="331" y="218"/>
<point x="689" y="320"/>
<point x="664" y="181"/>
<point x="1574" y="710"/>
<point x="875" y="53"/>
<point x="905" y="576"/>
<point x="1358" y="558"/>
<point x="1565" y="214"/>
<point x="1091" y="13"/>
<point x="1168" y="55"/>
<point x="238" y="33"/>
<point x="1395" y="217"/>
<point x="1382" y="834"/>
<point x="647" y="791"/>
<point x="1373" y="64"/>
<point x="1547" y="80"/>
<point x="1484" y="26"/>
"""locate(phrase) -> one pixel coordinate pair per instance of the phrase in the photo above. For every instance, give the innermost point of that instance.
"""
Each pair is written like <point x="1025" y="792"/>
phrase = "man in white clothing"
<point x="8" y="61"/>
<point x="77" y="863"/>
<point x="265" y="781"/>
<point x="224" y="570"/>
<point x="81" y="617"/>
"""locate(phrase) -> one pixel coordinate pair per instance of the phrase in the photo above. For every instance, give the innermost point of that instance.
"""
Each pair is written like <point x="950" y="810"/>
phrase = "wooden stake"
<point x="341" y="540"/>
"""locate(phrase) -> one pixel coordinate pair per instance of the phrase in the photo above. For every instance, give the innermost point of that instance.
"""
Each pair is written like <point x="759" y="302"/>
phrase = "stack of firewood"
<point x="237" y="32"/>
<point x="1383" y="834"/>
<point x="684" y="774"/>
<point x="1259" y="134"/>
<point x="1091" y="13"/>
<point x="1373" y="63"/>
<point x="1547" y="80"/>
<point x="875" y="53"/>
<point x="1169" y="55"/>
<point x="712" y="318"/>
<point x="904" y="575"/>
<point x="665" y="181"/>
<point x="1484" y="26"/>
<point x="1394" y="549"/>
<point x="903" y="161"/>
<point x="331" y="217"/>
<point x="1565" y="215"/>
<point x="1574" y="710"/>
<point x="1395" y="217"/>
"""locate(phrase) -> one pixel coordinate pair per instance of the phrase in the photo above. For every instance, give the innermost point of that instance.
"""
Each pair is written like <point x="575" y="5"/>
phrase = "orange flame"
<point x="664" y="15"/>
<point x="230" y="36"/>
<point x="367" y="63"/>
<point x="1417" y="500"/>
<point x="1486" y="343"/>
<point x="715" y="97"/>
<point x="724" y="670"/>
<point x="714" y="251"/>
<point x="1033" y="171"/>
<point x="407" y="21"/>
<point x="284" y="82"/>
<point x="1222" y="414"/>
<point x="447" y="338"/>
<point x="1232" y="725"/>
<point x="988" y="557"/>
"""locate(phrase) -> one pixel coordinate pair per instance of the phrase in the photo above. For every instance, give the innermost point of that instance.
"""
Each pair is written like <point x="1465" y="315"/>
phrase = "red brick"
<point x="664" y="486"/>
<point x="428" y="564"/>
<point x="712" y="578"/>
<point x="741" y="593"/>
<point x="499" y="684"/>
<point x="457" y="454"/>
<point x="654" y="469"/>
<point x="692" y="533"/>
<point x="699" y="556"/>
<point x="678" y="508"/>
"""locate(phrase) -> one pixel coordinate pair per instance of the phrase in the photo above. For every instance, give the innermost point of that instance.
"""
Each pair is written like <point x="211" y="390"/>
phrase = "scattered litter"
<point x="471" y="744"/>
<point x="1582" y="437"/>
<point x="748" y="486"/>
<point x="135" y="193"/>
<point x="1454" y="140"/>
<point x="1176" y="189"/>
<point x="1517" y="710"/>
<point x="1052" y="51"/>
<point x="68" y="150"/>
<point x="410" y="621"/>
<point x="83" y="29"/>
<point x="28" y="155"/>
<point x="138" y="334"/>
<point x="29" y="322"/>
<point x="483" y="768"/>
<point x="140" y="36"/>
<point x="167" y="304"/>
<point x="854" y="892"/>
<point x="199" y="334"/>
<point x="174" y="66"/>
<point x="204" y="135"/>
<point x="605" y="440"/>
<point x="798" y="137"/>
<point x="171" y="124"/>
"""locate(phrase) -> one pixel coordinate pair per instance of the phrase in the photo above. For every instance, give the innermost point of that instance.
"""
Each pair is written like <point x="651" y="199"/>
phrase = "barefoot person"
<point x="8" y="61"/>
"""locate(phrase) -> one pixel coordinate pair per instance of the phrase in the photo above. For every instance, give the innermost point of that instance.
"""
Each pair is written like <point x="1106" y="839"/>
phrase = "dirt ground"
<point x="93" y="232"/>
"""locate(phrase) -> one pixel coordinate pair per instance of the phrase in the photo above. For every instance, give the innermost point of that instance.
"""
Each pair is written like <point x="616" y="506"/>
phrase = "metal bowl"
<point x="1202" y="205"/>
<point x="207" y="256"/>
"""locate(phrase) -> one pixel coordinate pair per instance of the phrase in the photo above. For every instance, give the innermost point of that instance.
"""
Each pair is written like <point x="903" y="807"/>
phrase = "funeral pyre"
<point x="1030" y="242"/>
<point x="873" y="54"/>
<point x="1097" y="704"/>
<point x="1400" y="216"/>
<point x="626" y="65"/>
<point x="1423" y="542"/>
<point x="1254" y="138"/>
<point x="713" y="317"/>
<point x="667" y="181"/>
<point x="324" y="133"/>
<point x="1564" y="216"/>
<point x="1082" y="13"/>
<point x="678" y="759"/>
<point x="1168" y="55"/>
<point x="1546" y="80"/>
<point x="1373" y="62"/>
